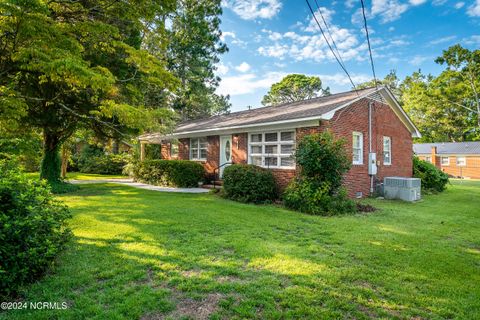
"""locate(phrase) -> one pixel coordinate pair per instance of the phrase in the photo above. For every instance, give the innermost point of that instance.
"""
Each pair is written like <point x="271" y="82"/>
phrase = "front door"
<point x="225" y="152"/>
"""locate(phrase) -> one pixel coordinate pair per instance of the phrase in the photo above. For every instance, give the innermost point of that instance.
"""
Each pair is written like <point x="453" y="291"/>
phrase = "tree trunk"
<point x="50" y="168"/>
<point x="116" y="146"/>
<point x="65" y="157"/>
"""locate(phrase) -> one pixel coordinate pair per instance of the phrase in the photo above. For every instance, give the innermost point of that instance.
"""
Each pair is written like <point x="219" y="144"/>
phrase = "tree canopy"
<point x="294" y="87"/>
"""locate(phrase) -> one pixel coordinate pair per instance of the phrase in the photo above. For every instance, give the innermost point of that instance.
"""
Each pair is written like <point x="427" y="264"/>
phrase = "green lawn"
<point x="82" y="176"/>
<point x="150" y="255"/>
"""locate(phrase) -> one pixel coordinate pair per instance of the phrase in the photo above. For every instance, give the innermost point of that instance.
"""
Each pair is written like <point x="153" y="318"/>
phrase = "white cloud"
<point x="254" y="9"/>
<point x="474" y="9"/>
<point x="327" y="15"/>
<point x="388" y="10"/>
<point x="417" y="2"/>
<point x="341" y="79"/>
<point x="248" y="83"/>
<point x="459" y="5"/>
<point x="227" y="34"/>
<point x="418" y="60"/>
<point x="472" y="40"/>
<point x="442" y="40"/>
<point x="222" y="69"/>
<point x="243" y="67"/>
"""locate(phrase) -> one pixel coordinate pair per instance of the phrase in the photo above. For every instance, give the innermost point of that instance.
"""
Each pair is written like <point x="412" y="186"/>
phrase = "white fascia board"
<point x="258" y="127"/>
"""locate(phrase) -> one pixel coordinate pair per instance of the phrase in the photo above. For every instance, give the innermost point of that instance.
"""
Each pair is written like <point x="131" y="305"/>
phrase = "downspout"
<point x="370" y="141"/>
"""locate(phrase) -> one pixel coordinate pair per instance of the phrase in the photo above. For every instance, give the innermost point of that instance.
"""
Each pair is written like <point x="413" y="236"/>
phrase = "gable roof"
<point x="448" y="147"/>
<point x="287" y="113"/>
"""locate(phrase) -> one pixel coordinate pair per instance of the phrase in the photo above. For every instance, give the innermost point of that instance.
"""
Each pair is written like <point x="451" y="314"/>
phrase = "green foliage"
<point x="249" y="183"/>
<point x="173" y="173"/>
<point x="25" y="145"/>
<point x="306" y="195"/>
<point x="92" y="159"/>
<point x="294" y="87"/>
<point x="33" y="228"/>
<point x="317" y="190"/>
<point x="433" y="179"/>
<point x="391" y="81"/>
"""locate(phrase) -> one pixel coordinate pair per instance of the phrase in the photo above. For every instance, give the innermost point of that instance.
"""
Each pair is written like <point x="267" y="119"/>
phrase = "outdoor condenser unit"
<point x="407" y="189"/>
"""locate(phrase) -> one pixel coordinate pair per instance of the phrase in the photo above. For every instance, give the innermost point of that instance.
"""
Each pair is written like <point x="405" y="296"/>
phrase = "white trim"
<point x="385" y="138"/>
<point x="278" y="143"/>
<point x="441" y="160"/>
<point x="199" y="150"/>
<point x="461" y="165"/>
<point x="360" y="161"/>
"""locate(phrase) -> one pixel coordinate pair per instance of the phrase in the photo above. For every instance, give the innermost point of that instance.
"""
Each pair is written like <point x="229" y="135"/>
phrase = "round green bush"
<point x="33" y="228"/>
<point x="433" y="179"/>
<point x="249" y="183"/>
<point x="172" y="173"/>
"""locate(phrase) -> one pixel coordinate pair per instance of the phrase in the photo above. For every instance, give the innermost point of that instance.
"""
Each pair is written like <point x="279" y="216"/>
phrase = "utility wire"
<point x="329" y="33"/>
<point x="369" y="47"/>
<point x="330" y="47"/>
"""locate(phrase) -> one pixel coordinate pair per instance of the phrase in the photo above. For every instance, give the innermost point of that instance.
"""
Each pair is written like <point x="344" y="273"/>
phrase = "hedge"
<point x="433" y="179"/>
<point x="249" y="183"/>
<point x="172" y="173"/>
<point x="33" y="228"/>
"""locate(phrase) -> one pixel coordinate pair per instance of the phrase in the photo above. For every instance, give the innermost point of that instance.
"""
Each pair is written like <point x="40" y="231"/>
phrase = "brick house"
<point x="457" y="159"/>
<point x="267" y="136"/>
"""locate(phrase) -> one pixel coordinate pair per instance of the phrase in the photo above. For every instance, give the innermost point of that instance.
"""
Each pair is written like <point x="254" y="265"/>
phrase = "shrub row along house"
<point x="370" y="120"/>
<point x="457" y="159"/>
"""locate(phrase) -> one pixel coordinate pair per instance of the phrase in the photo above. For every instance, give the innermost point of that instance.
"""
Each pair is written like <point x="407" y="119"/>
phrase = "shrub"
<point x="433" y="179"/>
<point x="317" y="190"/>
<point x="249" y="183"/>
<point x="32" y="228"/>
<point x="174" y="173"/>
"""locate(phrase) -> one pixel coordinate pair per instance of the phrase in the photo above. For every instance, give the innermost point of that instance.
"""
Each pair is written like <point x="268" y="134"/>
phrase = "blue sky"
<point x="269" y="39"/>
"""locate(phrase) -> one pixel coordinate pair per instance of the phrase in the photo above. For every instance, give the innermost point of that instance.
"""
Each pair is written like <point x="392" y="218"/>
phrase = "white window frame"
<point x="428" y="159"/>
<point x="447" y="163"/>
<point x="389" y="151"/>
<point x="360" y="158"/>
<point x="198" y="141"/>
<point x="464" y="164"/>
<point x="262" y="144"/>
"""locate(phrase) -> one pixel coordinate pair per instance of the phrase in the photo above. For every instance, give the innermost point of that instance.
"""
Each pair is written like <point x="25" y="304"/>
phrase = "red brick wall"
<point x="384" y="123"/>
<point x="470" y="170"/>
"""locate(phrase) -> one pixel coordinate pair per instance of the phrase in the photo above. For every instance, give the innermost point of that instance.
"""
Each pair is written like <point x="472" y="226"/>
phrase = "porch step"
<point x="210" y="186"/>
<point x="219" y="182"/>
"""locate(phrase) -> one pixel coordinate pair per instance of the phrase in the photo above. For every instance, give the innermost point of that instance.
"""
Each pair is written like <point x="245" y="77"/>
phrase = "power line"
<point x="369" y="47"/>
<point x="329" y="33"/>
<point x="330" y="47"/>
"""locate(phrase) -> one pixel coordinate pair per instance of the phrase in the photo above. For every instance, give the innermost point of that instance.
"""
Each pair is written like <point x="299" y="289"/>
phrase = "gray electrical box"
<point x="372" y="163"/>
<point x="406" y="189"/>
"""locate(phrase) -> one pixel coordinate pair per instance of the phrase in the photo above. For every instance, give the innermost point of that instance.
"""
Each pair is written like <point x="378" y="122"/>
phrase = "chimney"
<point x="434" y="156"/>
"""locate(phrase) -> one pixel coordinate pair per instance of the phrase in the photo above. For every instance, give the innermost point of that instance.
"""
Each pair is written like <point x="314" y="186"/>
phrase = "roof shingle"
<point x="448" y="147"/>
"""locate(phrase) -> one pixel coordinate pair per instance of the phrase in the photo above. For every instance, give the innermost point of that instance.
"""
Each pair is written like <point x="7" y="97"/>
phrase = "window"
<point x="272" y="149"/>
<point x="445" y="161"/>
<point x="173" y="149"/>
<point x="461" y="161"/>
<point x="428" y="159"/>
<point x="357" y="146"/>
<point x="387" y="151"/>
<point x="198" y="148"/>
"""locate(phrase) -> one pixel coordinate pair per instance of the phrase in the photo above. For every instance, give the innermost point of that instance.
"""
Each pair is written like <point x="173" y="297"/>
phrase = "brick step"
<point x="219" y="182"/>
<point x="210" y="186"/>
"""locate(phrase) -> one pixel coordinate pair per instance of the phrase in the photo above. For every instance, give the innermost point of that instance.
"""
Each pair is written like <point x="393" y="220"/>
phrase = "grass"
<point x="82" y="176"/>
<point x="150" y="255"/>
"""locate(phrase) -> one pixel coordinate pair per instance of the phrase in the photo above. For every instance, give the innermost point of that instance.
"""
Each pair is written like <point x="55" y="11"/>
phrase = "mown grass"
<point x="82" y="176"/>
<point x="150" y="255"/>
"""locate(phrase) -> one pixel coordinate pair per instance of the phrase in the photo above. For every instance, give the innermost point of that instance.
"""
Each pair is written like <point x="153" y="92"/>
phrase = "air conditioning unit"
<point x="406" y="189"/>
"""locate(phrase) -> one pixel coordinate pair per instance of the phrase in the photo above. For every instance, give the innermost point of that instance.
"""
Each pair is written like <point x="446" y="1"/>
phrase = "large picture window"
<point x="357" y="148"/>
<point x="198" y="148"/>
<point x="272" y="149"/>
<point x="387" y="151"/>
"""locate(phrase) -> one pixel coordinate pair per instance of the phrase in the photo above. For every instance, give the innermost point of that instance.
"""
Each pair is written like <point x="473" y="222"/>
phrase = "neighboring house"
<point x="267" y="136"/>
<point x="458" y="159"/>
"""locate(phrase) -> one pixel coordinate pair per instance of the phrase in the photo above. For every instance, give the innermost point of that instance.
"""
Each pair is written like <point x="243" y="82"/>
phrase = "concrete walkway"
<point x="131" y="183"/>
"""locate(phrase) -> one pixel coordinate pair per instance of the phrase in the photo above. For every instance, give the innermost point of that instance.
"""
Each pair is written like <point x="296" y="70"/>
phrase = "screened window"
<point x="272" y="149"/>
<point x="357" y="148"/>
<point x="461" y="161"/>
<point x="387" y="150"/>
<point x="198" y="148"/>
<point x="445" y="161"/>
<point x="174" y="149"/>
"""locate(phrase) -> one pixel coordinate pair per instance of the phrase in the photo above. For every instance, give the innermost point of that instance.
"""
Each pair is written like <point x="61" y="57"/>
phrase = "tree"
<point x="390" y="81"/>
<point x="192" y="53"/>
<point x="71" y="64"/>
<point x="295" y="87"/>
